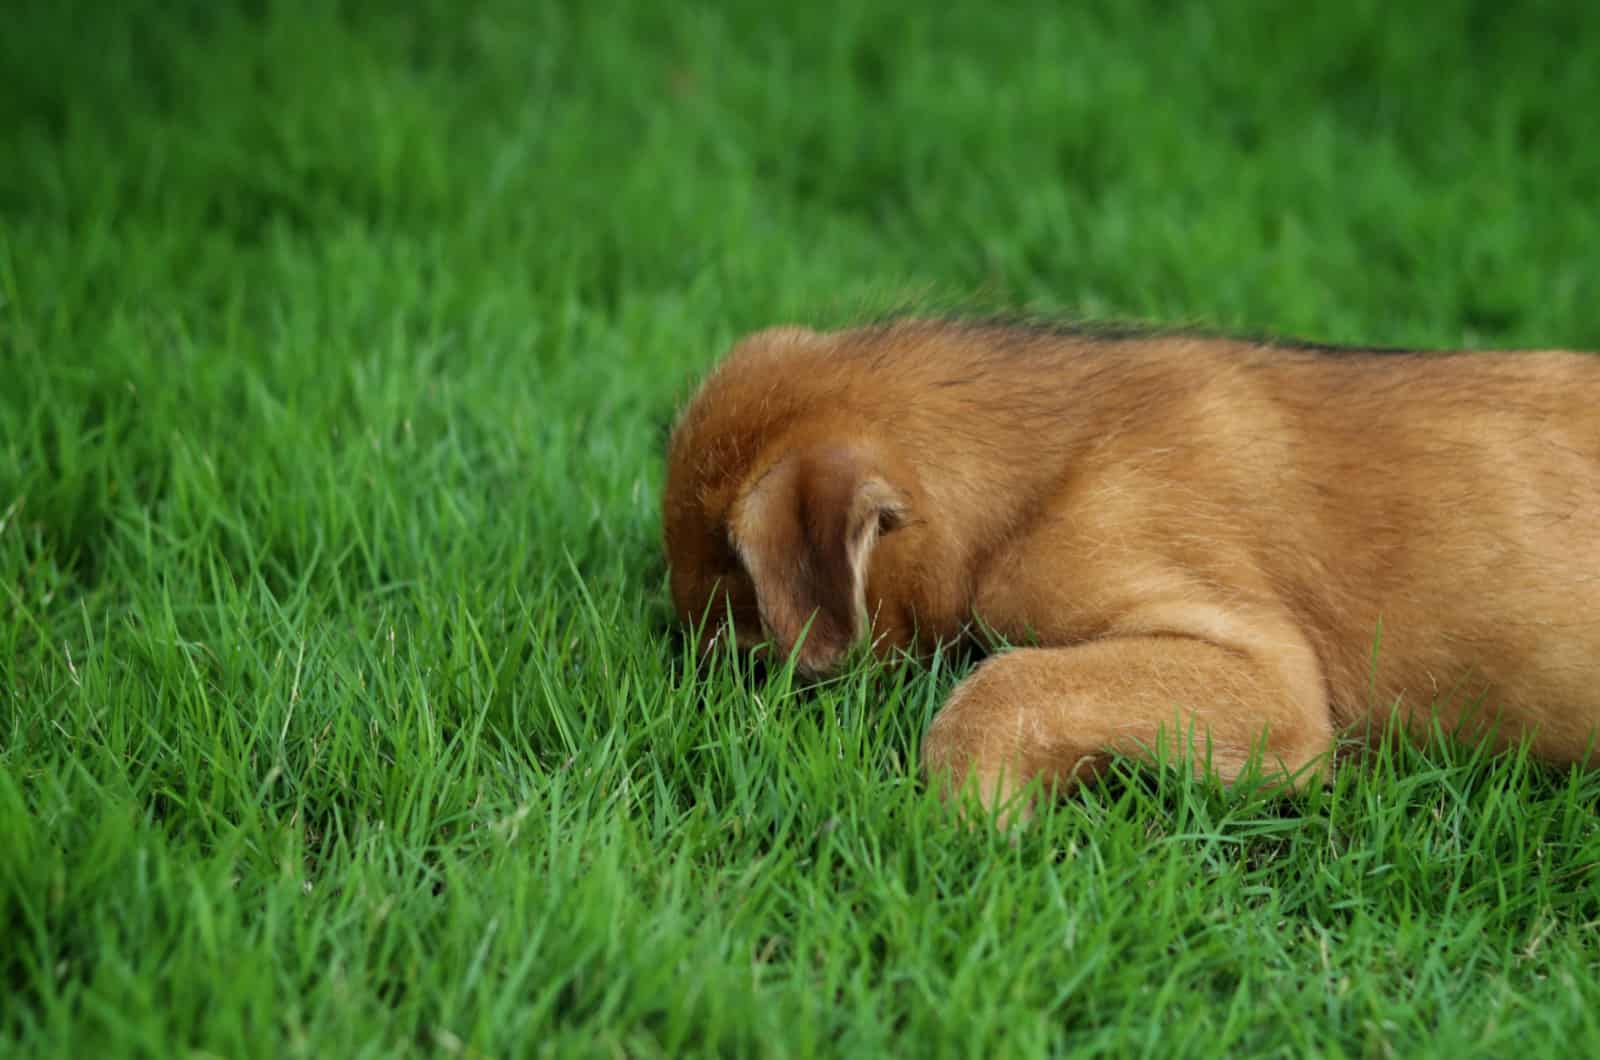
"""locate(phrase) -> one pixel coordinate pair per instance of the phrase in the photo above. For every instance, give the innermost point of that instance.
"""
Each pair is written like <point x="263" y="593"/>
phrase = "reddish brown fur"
<point x="1200" y="534"/>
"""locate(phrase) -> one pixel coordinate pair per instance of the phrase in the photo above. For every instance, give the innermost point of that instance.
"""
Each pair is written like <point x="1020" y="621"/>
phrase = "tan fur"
<point x="1201" y="535"/>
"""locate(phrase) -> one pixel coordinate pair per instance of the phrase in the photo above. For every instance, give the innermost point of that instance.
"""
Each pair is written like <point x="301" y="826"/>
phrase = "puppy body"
<point x="1255" y="546"/>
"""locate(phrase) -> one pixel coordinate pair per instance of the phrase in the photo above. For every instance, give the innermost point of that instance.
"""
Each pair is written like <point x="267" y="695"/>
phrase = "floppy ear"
<point x="805" y="532"/>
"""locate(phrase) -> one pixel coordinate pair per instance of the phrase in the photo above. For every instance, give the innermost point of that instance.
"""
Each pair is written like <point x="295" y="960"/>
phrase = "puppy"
<point x="1224" y="548"/>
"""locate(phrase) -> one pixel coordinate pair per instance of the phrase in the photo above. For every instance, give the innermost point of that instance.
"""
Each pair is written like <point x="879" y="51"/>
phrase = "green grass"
<point x="339" y="709"/>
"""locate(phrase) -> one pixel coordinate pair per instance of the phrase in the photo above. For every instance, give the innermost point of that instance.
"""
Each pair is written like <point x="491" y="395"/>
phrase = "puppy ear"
<point x="805" y="533"/>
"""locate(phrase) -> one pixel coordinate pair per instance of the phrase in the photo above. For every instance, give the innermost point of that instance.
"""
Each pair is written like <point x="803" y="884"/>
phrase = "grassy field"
<point x="339" y="709"/>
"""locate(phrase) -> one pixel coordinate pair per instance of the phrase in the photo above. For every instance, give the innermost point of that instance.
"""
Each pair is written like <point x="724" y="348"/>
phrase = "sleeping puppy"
<point x="1219" y="547"/>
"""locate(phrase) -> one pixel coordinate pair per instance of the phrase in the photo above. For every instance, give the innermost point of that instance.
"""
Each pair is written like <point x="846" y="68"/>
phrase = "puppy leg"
<point x="1056" y="713"/>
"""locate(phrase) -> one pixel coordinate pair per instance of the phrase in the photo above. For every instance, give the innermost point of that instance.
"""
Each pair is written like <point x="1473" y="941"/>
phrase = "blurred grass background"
<point x="340" y="714"/>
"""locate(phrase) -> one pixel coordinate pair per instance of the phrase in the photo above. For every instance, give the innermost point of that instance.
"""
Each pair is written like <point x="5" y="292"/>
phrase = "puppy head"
<point x="774" y="505"/>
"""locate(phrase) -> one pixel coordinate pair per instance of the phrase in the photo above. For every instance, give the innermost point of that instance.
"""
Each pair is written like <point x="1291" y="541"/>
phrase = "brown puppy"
<point x="1251" y="546"/>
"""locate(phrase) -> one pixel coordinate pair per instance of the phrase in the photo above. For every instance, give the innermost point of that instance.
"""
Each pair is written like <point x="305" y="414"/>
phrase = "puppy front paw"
<point x="987" y="750"/>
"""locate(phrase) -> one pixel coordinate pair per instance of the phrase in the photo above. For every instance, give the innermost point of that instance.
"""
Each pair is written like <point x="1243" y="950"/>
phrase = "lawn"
<point x="340" y="710"/>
